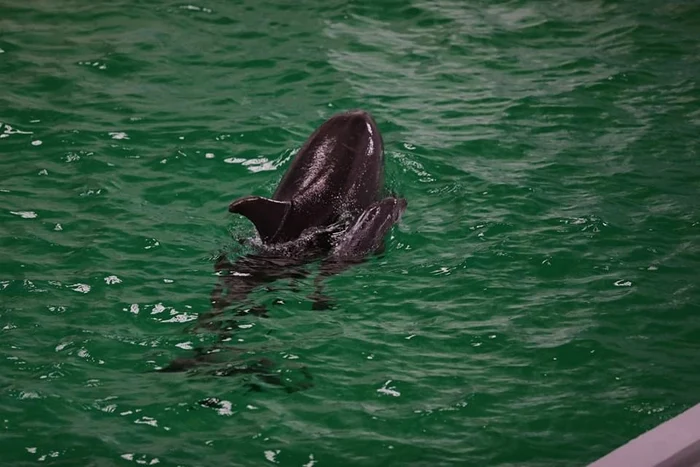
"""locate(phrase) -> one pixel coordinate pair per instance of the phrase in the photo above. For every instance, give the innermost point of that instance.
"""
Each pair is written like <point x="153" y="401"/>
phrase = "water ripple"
<point x="530" y="309"/>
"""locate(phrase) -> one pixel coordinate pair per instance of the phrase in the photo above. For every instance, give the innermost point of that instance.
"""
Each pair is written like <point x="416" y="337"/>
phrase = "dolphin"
<point x="337" y="174"/>
<point x="327" y="206"/>
<point x="363" y="237"/>
<point x="367" y="232"/>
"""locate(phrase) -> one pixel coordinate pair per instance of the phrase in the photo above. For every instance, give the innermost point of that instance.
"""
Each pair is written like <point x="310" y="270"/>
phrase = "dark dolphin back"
<point x="339" y="168"/>
<point x="337" y="174"/>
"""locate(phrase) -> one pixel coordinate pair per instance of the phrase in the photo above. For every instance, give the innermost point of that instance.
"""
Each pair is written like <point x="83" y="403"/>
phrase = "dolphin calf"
<point x="367" y="232"/>
<point x="363" y="237"/>
<point x="327" y="206"/>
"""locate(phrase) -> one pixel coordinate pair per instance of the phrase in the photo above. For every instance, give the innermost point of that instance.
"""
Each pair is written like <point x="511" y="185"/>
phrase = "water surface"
<point x="537" y="305"/>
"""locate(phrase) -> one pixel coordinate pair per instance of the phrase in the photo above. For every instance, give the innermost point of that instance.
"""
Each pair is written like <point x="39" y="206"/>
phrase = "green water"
<point x="537" y="305"/>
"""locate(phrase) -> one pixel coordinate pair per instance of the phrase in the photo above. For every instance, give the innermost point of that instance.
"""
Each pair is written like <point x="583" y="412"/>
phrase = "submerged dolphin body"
<point x="327" y="206"/>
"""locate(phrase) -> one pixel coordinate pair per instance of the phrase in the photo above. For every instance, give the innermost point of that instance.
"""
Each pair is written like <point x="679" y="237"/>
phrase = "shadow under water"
<point x="230" y="302"/>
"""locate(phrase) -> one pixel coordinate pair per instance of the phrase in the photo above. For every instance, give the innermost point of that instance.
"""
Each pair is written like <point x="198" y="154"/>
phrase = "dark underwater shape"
<point x="327" y="206"/>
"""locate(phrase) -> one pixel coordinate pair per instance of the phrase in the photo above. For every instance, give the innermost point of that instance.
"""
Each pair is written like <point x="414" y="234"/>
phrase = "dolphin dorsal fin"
<point x="266" y="214"/>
